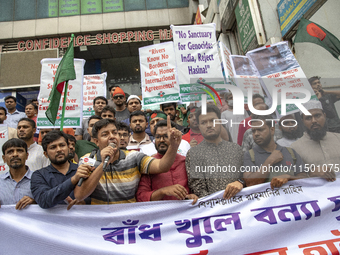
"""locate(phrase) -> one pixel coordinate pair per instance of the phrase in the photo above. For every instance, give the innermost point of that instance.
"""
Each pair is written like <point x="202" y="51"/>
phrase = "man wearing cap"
<point x="318" y="148"/>
<point x="290" y="130"/>
<point x="112" y="89"/>
<point x="98" y="104"/>
<point x="150" y="148"/>
<point x="119" y="99"/>
<point x="134" y="104"/>
<point x="327" y="98"/>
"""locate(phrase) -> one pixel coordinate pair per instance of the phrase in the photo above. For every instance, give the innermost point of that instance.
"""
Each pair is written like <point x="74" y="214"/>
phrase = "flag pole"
<point x="64" y="107"/>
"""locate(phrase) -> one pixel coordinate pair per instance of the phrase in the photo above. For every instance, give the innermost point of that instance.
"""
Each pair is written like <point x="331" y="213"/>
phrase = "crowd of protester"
<point x="123" y="154"/>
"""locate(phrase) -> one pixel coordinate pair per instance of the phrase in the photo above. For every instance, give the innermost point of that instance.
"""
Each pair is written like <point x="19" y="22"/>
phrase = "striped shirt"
<point x="122" y="178"/>
<point x="11" y="191"/>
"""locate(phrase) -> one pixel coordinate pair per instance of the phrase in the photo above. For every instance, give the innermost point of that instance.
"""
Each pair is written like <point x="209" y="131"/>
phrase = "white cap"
<point x="312" y="104"/>
<point x="133" y="96"/>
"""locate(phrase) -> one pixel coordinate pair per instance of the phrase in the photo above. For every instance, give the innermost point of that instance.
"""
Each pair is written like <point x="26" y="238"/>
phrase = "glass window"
<point x="89" y="7"/>
<point x="178" y="3"/>
<point x="47" y="9"/>
<point x="156" y="4"/>
<point x="24" y="9"/>
<point x="134" y="5"/>
<point x="69" y="7"/>
<point x="113" y="6"/>
<point x="6" y="10"/>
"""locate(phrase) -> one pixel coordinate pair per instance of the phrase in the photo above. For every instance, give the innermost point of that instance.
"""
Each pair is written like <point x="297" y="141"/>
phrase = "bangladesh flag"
<point x="65" y="72"/>
<point x="311" y="32"/>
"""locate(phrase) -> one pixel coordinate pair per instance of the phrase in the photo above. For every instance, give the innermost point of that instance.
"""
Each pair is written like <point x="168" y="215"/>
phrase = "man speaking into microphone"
<point x="118" y="181"/>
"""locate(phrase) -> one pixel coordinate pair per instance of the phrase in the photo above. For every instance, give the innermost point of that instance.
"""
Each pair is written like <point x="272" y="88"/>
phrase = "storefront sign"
<point x="245" y="26"/>
<point x="291" y="11"/>
<point x="89" y="40"/>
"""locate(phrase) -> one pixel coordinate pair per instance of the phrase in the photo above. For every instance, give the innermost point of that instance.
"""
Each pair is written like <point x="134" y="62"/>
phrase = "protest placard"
<point x="74" y="103"/>
<point x="228" y="70"/>
<point x="94" y="85"/>
<point x="245" y="76"/>
<point x="3" y="138"/>
<point x="279" y="70"/>
<point x="197" y="57"/>
<point x="158" y="74"/>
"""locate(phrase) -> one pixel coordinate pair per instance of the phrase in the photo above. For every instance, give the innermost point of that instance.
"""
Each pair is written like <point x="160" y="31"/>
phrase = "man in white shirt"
<point x="36" y="159"/>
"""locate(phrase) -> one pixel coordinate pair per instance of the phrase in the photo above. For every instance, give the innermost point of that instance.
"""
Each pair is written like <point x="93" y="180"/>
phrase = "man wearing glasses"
<point x="119" y="99"/>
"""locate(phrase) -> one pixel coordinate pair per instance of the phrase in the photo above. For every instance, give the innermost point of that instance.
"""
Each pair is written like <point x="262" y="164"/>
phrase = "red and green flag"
<point x="65" y="72"/>
<point x="311" y="32"/>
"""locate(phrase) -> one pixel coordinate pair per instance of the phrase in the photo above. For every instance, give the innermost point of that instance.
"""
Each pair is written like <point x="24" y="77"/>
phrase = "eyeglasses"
<point x="159" y="137"/>
<point x="124" y="135"/>
<point x="118" y="97"/>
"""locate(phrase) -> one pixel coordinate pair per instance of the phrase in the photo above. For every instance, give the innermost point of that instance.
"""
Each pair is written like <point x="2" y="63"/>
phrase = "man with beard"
<point x="170" y="109"/>
<point x="72" y="146"/>
<point x="55" y="183"/>
<point x="150" y="149"/>
<point x="116" y="180"/>
<point x="171" y="185"/>
<point x="15" y="184"/>
<point x="268" y="161"/>
<point x="119" y="99"/>
<point x="98" y="105"/>
<point x="327" y="98"/>
<point x="36" y="159"/>
<point x="317" y="147"/>
<point x="289" y="128"/>
<point x="204" y="162"/>
<point x="138" y="124"/>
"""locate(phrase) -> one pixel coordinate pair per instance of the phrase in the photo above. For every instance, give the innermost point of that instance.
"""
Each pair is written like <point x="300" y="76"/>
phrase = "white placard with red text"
<point x="3" y="138"/>
<point x="278" y="69"/>
<point x="94" y="85"/>
<point x="74" y="105"/>
<point x="158" y="74"/>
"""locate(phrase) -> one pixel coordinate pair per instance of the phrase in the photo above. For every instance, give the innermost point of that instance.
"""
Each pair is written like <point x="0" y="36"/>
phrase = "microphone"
<point x="107" y="158"/>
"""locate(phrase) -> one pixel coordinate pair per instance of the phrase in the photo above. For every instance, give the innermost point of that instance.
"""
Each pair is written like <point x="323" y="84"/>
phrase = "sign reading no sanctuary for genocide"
<point x="197" y="56"/>
<point x="158" y="74"/>
<point x="301" y="217"/>
<point x="93" y="86"/>
<point x="74" y="98"/>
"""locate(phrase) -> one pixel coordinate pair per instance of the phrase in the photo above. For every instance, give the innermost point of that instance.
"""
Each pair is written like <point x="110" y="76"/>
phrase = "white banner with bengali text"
<point x="158" y="74"/>
<point x="302" y="217"/>
<point x="74" y="101"/>
<point x="94" y="86"/>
